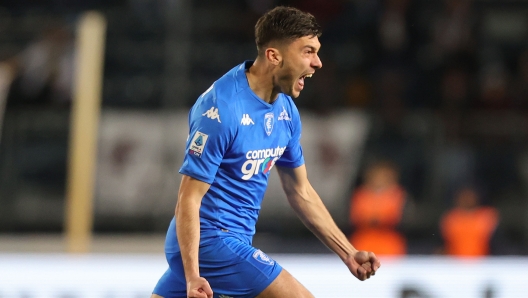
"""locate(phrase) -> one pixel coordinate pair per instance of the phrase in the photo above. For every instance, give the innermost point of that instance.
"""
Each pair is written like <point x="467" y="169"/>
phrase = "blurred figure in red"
<point x="467" y="228"/>
<point x="376" y="210"/>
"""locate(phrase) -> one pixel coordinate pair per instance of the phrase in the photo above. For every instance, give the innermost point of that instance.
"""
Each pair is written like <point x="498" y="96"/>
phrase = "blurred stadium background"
<point x="438" y="87"/>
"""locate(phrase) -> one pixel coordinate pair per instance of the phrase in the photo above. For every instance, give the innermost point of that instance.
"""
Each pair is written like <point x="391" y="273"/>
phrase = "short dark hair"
<point x="284" y="24"/>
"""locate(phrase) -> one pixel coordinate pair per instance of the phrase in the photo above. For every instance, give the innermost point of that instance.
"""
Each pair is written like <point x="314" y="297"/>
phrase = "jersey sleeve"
<point x="211" y="132"/>
<point x="293" y="155"/>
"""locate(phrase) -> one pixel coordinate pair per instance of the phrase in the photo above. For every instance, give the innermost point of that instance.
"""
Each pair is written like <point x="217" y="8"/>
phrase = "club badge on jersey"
<point x="268" y="122"/>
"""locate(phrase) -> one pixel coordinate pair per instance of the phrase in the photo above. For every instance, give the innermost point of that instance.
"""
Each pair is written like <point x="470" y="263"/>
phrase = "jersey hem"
<point x="290" y="165"/>
<point x="196" y="176"/>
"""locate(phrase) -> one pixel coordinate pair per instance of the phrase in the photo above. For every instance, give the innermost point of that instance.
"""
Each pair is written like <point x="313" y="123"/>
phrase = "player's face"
<point x="300" y="60"/>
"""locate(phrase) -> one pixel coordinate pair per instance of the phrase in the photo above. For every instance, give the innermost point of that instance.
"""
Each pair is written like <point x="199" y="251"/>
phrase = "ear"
<point x="273" y="55"/>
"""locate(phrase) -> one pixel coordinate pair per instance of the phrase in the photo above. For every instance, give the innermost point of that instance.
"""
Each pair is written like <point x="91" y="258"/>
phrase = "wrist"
<point x="192" y="274"/>
<point x="349" y="254"/>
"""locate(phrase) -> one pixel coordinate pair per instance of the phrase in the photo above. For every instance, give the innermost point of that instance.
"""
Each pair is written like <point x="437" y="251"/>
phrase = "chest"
<point x="261" y="130"/>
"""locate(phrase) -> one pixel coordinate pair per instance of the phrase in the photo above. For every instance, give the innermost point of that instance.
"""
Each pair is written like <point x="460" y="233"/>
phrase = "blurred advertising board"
<point x="134" y="275"/>
<point x="140" y="154"/>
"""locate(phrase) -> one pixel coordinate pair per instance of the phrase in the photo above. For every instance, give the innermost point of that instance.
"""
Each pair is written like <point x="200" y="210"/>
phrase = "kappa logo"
<point x="268" y="122"/>
<point x="246" y="120"/>
<point x="212" y="113"/>
<point x="284" y="115"/>
<point x="263" y="258"/>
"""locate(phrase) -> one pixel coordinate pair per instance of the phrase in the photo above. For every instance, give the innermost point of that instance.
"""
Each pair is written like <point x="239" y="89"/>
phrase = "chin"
<point x="293" y="93"/>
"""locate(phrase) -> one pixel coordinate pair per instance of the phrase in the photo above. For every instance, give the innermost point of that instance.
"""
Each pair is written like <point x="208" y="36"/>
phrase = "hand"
<point x="198" y="287"/>
<point x="363" y="264"/>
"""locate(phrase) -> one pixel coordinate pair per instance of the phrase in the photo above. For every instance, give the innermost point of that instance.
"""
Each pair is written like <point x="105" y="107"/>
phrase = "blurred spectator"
<point x="455" y="88"/>
<point x="358" y="92"/>
<point x="391" y="95"/>
<point x="376" y="210"/>
<point x="392" y="27"/>
<point x="44" y="70"/>
<point x="521" y="81"/>
<point x="324" y="10"/>
<point x="494" y="87"/>
<point x="393" y="137"/>
<point x="453" y="29"/>
<point x="468" y="227"/>
<point x="455" y="162"/>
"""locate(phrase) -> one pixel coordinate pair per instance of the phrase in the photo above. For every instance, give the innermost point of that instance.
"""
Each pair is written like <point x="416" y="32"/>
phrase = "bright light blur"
<point x="132" y="275"/>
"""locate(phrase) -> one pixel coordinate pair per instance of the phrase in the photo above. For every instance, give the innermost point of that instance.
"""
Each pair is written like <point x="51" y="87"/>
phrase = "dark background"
<point x="444" y="83"/>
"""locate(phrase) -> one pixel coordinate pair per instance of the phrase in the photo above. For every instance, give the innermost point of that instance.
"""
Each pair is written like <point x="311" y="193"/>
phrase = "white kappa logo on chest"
<point x="246" y="120"/>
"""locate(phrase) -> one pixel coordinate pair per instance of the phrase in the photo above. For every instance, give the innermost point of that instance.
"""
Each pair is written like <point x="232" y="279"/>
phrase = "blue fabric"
<point x="230" y="264"/>
<point x="235" y="138"/>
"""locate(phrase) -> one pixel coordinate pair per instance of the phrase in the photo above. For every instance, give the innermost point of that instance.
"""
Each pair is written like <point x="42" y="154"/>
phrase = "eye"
<point x="309" y="50"/>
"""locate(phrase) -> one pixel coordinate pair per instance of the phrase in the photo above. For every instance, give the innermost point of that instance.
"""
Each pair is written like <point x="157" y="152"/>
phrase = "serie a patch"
<point x="198" y="143"/>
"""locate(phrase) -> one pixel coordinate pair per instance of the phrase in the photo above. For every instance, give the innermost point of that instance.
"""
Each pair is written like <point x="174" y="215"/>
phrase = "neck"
<point x="260" y="78"/>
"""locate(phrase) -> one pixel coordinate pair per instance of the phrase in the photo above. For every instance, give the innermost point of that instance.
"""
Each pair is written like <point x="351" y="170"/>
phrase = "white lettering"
<point x="248" y="172"/>
<point x="259" y="163"/>
<point x="256" y="158"/>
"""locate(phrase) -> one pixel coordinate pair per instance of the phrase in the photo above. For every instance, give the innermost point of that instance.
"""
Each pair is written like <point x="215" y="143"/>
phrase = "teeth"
<point x="309" y="75"/>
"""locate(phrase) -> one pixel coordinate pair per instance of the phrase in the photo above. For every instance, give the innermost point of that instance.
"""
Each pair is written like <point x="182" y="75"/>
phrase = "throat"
<point x="263" y="92"/>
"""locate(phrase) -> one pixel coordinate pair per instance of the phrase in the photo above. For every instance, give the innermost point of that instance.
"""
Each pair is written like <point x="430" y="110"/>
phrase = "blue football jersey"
<point x="235" y="139"/>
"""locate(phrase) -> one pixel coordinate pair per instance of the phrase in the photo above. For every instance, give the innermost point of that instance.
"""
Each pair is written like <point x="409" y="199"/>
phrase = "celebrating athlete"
<point x="239" y="129"/>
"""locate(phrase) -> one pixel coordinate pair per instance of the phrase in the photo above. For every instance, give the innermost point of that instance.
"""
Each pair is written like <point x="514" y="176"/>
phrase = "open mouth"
<point x="301" y="79"/>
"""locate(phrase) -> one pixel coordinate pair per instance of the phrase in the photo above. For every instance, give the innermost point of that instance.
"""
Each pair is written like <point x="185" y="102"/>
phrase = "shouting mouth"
<point x="300" y="82"/>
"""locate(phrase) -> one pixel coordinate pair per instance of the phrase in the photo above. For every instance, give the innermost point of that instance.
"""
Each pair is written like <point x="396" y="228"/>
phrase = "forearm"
<point x="188" y="223"/>
<point x="312" y="212"/>
<point x="188" y="233"/>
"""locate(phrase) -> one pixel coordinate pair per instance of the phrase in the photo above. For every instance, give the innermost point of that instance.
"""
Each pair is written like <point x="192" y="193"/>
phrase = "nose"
<point x="316" y="62"/>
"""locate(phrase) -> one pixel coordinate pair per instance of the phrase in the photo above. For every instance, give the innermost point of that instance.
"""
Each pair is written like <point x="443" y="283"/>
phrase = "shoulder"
<point x="219" y="100"/>
<point x="489" y="212"/>
<point x="210" y="106"/>
<point x="226" y="90"/>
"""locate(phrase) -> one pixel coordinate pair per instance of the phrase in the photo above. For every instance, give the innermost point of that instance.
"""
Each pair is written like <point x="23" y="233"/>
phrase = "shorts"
<point x="232" y="267"/>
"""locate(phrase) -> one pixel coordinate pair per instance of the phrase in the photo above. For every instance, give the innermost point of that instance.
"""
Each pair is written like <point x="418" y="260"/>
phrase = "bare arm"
<point x="309" y="207"/>
<point x="188" y="232"/>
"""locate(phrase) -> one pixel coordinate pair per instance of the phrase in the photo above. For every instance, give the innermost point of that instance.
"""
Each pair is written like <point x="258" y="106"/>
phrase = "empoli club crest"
<point x="268" y="122"/>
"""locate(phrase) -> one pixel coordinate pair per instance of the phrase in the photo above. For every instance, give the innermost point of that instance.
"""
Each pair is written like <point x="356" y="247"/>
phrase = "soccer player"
<point x="239" y="128"/>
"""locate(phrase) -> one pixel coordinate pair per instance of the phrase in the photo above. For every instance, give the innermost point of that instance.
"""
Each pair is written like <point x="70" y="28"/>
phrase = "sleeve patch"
<point x="197" y="144"/>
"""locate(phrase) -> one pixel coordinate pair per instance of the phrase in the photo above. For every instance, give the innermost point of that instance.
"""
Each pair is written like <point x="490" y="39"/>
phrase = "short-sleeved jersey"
<point x="235" y="138"/>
